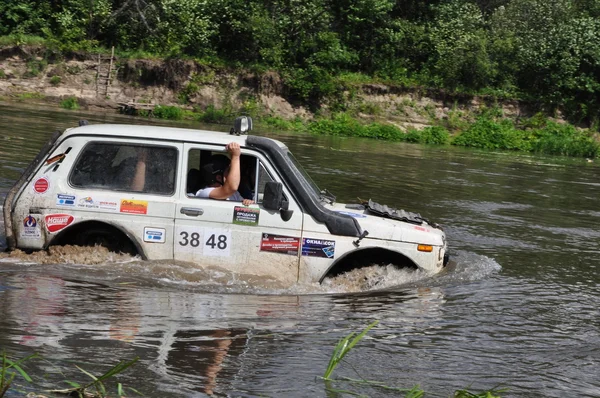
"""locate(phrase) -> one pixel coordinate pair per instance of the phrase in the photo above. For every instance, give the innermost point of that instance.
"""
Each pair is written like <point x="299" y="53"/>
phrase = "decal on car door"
<point x="205" y="241"/>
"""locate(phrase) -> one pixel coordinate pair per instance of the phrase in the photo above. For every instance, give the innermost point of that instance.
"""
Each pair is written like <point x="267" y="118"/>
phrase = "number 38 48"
<point x="194" y="239"/>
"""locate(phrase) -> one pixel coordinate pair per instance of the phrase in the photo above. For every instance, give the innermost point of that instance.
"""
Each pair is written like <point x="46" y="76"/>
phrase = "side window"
<point x="200" y="173"/>
<point x="126" y="167"/>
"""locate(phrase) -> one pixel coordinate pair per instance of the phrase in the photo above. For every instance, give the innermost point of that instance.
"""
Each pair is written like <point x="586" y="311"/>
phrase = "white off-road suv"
<point x="130" y="188"/>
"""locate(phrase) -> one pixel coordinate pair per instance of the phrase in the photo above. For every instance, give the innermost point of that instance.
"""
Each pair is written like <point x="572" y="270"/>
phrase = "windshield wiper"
<point x="327" y="196"/>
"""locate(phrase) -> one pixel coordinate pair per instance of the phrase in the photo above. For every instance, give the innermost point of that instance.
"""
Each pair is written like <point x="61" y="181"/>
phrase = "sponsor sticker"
<point x="30" y="227"/>
<point x="56" y="222"/>
<point x="154" y="235"/>
<point x="318" y="248"/>
<point x="243" y="215"/>
<point x="134" y="206"/>
<point x="65" y="200"/>
<point x="421" y="228"/>
<point x="279" y="244"/>
<point x="87" y="202"/>
<point x="355" y="215"/>
<point x="41" y="185"/>
<point x="107" y="204"/>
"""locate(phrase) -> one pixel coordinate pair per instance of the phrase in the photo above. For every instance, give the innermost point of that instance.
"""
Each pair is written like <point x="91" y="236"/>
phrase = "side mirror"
<point x="273" y="200"/>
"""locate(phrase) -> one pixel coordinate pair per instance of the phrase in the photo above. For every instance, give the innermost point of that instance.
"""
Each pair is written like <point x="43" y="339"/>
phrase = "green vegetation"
<point x="7" y="375"/>
<point x="168" y="112"/>
<point x="347" y="343"/>
<point x="489" y="130"/>
<point x="55" y="80"/>
<point x="70" y="103"/>
<point x="544" y="52"/>
<point x="30" y="96"/>
<point x="343" y="347"/>
<point x="97" y="384"/>
<point x="94" y="389"/>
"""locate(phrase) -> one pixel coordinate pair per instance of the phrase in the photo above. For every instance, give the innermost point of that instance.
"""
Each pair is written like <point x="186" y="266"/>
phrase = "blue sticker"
<point x="65" y="200"/>
<point x="154" y="235"/>
<point x="318" y="248"/>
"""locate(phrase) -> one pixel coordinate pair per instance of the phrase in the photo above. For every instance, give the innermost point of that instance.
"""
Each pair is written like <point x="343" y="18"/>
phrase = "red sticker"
<point x="41" y="185"/>
<point x="56" y="222"/>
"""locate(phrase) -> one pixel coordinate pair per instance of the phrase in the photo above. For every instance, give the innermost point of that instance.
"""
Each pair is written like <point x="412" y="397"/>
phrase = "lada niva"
<point x="131" y="188"/>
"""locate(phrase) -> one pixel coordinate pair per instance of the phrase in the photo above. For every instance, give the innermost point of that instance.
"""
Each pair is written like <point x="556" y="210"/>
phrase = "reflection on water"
<point x="518" y="307"/>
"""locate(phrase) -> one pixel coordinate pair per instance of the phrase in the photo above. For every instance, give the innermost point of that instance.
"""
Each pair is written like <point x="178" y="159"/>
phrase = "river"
<point x="518" y="308"/>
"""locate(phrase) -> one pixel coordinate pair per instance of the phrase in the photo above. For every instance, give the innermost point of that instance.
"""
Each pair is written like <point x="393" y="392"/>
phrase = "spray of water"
<point x="100" y="264"/>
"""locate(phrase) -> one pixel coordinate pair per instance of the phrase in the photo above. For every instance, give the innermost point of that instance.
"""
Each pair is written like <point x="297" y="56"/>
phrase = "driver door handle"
<point x="191" y="211"/>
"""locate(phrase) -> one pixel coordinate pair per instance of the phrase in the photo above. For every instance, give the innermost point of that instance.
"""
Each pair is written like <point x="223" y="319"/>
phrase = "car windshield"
<point x="314" y="188"/>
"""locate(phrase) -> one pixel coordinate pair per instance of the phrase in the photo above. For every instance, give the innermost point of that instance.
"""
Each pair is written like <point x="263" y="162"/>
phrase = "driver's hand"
<point x="233" y="148"/>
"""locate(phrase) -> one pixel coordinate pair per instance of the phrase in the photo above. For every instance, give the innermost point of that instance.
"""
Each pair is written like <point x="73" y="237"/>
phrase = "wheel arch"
<point x="365" y="257"/>
<point x="71" y="234"/>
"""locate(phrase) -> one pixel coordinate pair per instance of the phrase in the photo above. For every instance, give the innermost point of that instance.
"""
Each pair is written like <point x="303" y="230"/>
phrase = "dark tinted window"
<point x="126" y="167"/>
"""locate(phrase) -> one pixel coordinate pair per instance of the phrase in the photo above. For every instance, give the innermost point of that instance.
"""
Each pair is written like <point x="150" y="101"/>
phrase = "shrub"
<point x="69" y="103"/>
<point x="168" y="112"/>
<point x="55" y="80"/>
<point x="434" y="135"/>
<point x="214" y="115"/>
<point x="488" y="134"/>
<point x="562" y="139"/>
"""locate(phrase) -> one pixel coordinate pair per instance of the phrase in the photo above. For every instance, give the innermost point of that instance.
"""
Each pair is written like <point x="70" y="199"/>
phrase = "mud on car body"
<point x="131" y="189"/>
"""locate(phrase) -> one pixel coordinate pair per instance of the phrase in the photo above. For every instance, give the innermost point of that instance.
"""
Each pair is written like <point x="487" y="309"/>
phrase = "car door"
<point x="243" y="239"/>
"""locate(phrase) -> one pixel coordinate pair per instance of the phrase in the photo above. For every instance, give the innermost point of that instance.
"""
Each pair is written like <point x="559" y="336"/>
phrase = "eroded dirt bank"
<point x="33" y="74"/>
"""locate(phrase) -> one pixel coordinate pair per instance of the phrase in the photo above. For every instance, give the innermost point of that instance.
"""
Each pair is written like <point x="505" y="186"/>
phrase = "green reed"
<point x="7" y="376"/>
<point x="97" y="383"/>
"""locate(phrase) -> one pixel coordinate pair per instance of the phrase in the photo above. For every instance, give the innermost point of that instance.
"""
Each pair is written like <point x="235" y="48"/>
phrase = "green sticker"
<point x="243" y="215"/>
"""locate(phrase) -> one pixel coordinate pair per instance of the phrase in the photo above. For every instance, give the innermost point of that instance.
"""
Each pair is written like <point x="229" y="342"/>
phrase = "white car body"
<point x="61" y="199"/>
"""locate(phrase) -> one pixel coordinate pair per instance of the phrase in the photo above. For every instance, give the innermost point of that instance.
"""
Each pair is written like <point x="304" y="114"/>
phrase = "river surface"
<point x="518" y="308"/>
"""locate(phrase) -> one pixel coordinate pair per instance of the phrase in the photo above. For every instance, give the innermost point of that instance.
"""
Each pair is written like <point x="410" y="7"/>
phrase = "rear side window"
<point x="126" y="167"/>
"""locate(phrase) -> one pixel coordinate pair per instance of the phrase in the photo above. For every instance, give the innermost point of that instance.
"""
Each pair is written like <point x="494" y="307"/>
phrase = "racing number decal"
<point x="192" y="239"/>
<point x="216" y="242"/>
<point x="205" y="241"/>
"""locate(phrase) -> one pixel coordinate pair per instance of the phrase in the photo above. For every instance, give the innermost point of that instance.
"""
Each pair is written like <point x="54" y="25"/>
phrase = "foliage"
<point x="55" y="80"/>
<point x="97" y="382"/>
<point x="429" y="135"/>
<point x="214" y="115"/>
<point x="488" y="134"/>
<point x="546" y="52"/>
<point x="168" y="112"/>
<point x="343" y="347"/>
<point x="70" y="103"/>
<point x="7" y="375"/>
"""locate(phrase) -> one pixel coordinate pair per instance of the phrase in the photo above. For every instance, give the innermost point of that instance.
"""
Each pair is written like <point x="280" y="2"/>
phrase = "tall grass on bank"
<point x="551" y="138"/>
<point x="537" y="135"/>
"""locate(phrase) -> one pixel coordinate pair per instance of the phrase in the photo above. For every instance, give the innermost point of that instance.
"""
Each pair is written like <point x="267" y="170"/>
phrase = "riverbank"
<point x="186" y="89"/>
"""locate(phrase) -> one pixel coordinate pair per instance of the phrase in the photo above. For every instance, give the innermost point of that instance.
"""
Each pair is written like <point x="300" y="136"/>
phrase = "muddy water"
<point x="519" y="307"/>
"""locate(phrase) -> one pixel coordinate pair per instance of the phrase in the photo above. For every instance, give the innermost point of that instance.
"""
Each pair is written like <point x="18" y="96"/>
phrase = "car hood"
<point x="389" y="229"/>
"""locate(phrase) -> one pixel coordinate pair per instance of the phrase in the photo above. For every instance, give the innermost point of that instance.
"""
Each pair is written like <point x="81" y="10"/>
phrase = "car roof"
<point x="160" y="132"/>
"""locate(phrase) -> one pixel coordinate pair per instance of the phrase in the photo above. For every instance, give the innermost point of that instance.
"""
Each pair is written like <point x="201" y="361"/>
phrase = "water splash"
<point x="99" y="264"/>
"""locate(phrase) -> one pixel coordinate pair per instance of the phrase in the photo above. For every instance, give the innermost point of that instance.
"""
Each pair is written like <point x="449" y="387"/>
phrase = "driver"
<point x="222" y="177"/>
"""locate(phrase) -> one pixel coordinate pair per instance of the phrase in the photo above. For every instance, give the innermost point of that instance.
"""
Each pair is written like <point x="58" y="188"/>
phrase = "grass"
<point x="70" y="103"/>
<point x="55" y="80"/>
<point x="30" y="96"/>
<point x="7" y="375"/>
<point x="343" y="347"/>
<point x="96" y="388"/>
<point x="347" y="343"/>
<point x="97" y="384"/>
